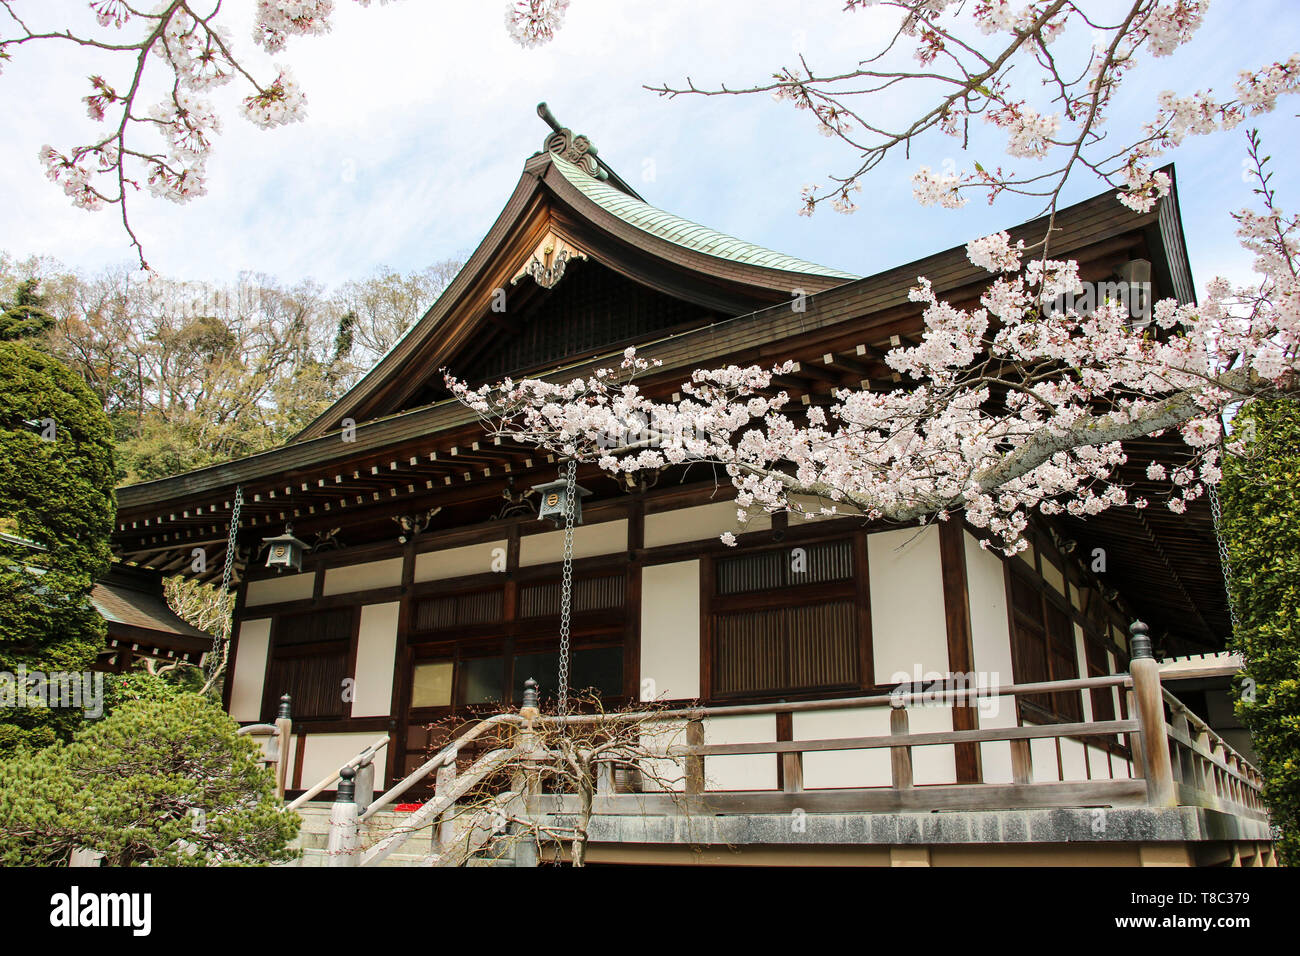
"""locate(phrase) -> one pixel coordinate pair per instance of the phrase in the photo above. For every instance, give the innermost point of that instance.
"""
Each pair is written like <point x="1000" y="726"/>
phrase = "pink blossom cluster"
<point x="1004" y="411"/>
<point x="531" y="23"/>
<point x="280" y="102"/>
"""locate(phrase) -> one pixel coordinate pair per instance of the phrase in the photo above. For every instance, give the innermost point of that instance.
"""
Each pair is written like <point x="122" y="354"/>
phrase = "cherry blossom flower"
<point x="531" y="23"/>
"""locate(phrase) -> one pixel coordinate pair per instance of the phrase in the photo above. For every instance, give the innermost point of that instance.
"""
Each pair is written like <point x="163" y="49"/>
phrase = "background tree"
<point x="192" y="374"/>
<point x="24" y="316"/>
<point x="1261" y="524"/>
<point x="163" y="779"/>
<point x="56" y="508"/>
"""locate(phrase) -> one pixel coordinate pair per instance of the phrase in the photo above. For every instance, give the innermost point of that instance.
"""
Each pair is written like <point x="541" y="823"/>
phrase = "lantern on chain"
<point x="284" y="551"/>
<point x="554" y="495"/>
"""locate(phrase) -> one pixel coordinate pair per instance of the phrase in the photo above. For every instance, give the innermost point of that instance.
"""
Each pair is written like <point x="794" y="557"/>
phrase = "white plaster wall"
<point x="830" y="769"/>
<point x="699" y="524"/>
<point x="324" y="753"/>
<point x="589" y="540"/>
<point x="460" y="562"/>
<point x="1073" y="766"/>
<point x="363" y="577"/>
<point x="995" y="755"/>
<point x="908" y="628"/>
<point x="282" y="587"/>
<point x="1053" y="576"/>
<point x="740" y="771"/>
<point x="1042" y="756"/>
<point x="1098" y="764"/>
<point x="376" y="648"/>
<point x="990" y="630"/>
<point x="250" y="669"/>
<point x="670" y="631"/>
<point x="932" y="764"/>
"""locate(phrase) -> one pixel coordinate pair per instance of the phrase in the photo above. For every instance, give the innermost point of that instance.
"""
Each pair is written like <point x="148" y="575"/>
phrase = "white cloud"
<point x="421" y="115"/>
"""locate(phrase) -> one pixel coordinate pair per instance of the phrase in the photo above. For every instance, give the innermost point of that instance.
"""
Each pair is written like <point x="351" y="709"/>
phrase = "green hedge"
<point x="1261" y="506"/>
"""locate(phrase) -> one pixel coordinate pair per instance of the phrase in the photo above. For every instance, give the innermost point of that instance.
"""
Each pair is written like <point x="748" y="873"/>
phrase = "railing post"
<point x="1022" y="762"/>
<point x="443" y="783"/>
<point x="365" y="783"/>
<point x="694" y="762"/>
<point x="344" y="842"/>
<point x="900" y="758"/>
<point x="283" y="734"/>
<point x="1150" y="705"/>
<point x="527" y="781"/>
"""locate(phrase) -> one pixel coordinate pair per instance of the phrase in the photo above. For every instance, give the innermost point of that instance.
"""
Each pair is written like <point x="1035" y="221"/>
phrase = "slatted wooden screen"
<point x="785" y="621"/>
<point x="309" y="662"/>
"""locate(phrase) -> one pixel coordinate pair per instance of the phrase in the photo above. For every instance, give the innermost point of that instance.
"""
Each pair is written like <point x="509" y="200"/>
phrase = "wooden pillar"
<point x="283" y="734"/>
<point x="961" y="648"/>
<point x="1150" y="706"/>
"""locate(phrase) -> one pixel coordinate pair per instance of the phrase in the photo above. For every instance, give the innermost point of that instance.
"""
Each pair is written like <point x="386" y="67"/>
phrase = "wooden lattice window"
<point x="458" y="610"/>
<point x="785" y="621"/>
<point x="309" y="662"/>
<point x="589" y="594"/>
<point x="1042" y="647"/>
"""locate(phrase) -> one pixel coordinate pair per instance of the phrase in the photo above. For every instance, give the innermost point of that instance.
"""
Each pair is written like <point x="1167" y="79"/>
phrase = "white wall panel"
<point x="250" y="669"/>
<point x="670" y="630"/>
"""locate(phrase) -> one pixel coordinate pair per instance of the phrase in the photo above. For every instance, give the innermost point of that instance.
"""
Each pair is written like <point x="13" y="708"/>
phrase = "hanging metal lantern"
<point x="553" y="496"/>
<point x="284" y="551"/>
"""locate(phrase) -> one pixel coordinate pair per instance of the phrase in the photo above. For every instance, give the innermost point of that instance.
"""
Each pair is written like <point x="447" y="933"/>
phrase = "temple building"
<point x="428" y="590"/>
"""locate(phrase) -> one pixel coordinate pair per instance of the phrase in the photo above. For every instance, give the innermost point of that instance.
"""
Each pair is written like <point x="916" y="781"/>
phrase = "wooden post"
<point x="1150" y="706"/>
<point x="343" y="848"/>
<point x="443" y="782"/>
<point x="1022" y="763"/>
<point x="900" y="758"/>
<point x="791" y="763"/>
<point x="695" y="763"/>
<point x="604" y="777"/>
<point x="283" y="734"/>
<point x="1181" y="767"/>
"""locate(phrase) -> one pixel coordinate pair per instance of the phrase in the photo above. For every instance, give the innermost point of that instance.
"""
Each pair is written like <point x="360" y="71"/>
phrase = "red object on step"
<point x="407" y="807"/>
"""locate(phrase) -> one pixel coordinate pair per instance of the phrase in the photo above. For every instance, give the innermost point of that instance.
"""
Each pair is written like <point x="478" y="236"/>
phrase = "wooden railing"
<point x="1161" y="755"/>
<point x="1206" y="771"/>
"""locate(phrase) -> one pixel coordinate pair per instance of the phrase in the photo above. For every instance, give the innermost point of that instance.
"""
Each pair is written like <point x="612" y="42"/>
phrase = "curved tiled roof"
<point x="683" y="232"/>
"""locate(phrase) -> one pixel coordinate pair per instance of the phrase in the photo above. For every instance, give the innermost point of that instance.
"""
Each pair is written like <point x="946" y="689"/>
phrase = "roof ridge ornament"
<point x="573" y="148"/>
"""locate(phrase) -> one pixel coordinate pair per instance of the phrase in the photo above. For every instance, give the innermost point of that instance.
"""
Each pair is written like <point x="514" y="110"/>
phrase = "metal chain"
<point x="227" y="622"/>
<point x="1224" y="560"/>
<point x="566" y="586"/>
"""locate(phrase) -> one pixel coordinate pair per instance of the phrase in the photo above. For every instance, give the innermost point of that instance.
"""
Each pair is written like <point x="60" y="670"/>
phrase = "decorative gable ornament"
<point x="571" y="147"/>
<point x="284" y="551"/>
<point x="548" y="261"/>
<point x="552" y="504"/>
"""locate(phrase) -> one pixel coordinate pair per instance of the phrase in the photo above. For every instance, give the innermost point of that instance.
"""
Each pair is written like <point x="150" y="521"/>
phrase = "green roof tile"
<point x="683" y="232"/>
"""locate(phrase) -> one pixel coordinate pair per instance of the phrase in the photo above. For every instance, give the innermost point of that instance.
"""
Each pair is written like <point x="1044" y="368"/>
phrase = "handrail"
<point x="1203" y="727"/>
<point x="442" y="757"/>
<point x="488" y="764"/>
<point x="361" y="759"/>
<point x="947" y="695"/>
<point x="1155" y="783"/>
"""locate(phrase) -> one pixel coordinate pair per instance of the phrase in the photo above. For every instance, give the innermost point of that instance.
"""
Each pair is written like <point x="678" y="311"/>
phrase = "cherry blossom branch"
<point x="1020" y="405"/>
<point x="192" y="45"/>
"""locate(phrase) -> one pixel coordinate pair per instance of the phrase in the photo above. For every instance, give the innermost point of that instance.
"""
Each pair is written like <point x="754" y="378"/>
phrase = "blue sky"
<point x="421" y="114"/>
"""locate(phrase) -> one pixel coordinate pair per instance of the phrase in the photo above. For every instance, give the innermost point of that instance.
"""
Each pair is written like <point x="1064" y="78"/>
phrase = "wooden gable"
<point x="574" y="264"/>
